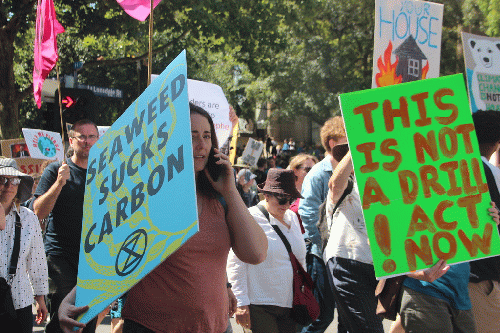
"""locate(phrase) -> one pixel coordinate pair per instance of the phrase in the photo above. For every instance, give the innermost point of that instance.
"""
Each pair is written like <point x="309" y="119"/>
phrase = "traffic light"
<point x="76" y="104"/>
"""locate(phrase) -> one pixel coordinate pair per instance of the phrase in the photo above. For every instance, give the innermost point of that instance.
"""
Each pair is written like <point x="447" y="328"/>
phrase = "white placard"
<point x="211" y="98"/>
<point x="43" y="144"/>
<point x="252" y="152"/>
<point x="407" y="41"/>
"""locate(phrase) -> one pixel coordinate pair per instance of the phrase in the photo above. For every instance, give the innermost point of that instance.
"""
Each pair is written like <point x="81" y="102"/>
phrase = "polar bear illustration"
<point x="486" y="55"/>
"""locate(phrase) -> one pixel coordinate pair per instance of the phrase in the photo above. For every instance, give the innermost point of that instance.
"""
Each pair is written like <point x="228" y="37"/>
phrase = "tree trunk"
<point x="9" y="101"/>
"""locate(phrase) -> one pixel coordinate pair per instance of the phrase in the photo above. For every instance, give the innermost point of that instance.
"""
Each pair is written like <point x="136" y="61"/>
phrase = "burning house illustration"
<point x="410" y="60"/>
<point x="407" y="67"/>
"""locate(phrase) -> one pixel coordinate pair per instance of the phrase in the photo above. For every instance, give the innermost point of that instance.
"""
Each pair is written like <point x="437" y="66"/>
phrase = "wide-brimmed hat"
<point x="240" y="163"/>
<point x="280" y="181"/>
<point x="8" y="167"/>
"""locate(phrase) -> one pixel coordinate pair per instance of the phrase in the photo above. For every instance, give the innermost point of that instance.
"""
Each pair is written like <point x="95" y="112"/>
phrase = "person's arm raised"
<point x="44" y="204"/>
<point x="340" y="176"/>
<point x="248" y="240"/>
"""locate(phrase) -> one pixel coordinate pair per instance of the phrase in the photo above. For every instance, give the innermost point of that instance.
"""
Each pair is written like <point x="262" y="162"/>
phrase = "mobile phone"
<point x="339" y="151"/>
<point x="214" y="169"/>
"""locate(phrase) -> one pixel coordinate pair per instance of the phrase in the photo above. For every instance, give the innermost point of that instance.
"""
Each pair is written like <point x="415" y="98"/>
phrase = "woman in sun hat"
<point x="31" y="273"/>
<point x="264" y="292"/>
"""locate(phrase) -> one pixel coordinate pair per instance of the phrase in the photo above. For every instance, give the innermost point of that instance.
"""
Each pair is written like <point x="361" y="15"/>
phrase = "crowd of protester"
<point x="237" y="263"/>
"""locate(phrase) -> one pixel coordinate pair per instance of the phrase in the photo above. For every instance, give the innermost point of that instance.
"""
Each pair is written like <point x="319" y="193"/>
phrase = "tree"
<point x="483" y="16"/>
<point x="329" y="51"/>
<point x="14" y="15"/>
<point x="299" y="55"/>
<point x="330" y="48"/>
<point x="112" y="45"/>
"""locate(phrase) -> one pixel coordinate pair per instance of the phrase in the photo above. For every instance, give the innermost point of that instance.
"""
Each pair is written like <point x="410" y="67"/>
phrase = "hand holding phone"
<point x="214" y="169"/>
<point x="339" y="151"/>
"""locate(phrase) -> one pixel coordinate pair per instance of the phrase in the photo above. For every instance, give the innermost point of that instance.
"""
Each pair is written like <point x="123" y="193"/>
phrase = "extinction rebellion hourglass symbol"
<point x="131" y="252"/>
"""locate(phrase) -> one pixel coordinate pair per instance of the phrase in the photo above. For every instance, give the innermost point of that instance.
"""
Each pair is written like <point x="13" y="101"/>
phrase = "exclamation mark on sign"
<point x="383" y="237"/>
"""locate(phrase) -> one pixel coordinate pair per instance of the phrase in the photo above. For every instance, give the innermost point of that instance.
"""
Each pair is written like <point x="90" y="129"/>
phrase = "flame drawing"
<point x="425" y="70"/>
<point x="387" y="70"/>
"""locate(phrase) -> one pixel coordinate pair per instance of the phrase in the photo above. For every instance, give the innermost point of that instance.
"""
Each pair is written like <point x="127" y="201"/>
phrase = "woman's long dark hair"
<point x="203" y="185"/>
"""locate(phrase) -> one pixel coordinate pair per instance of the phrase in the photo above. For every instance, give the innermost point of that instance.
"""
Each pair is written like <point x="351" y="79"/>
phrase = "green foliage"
<point x="220" y="35"/>
<point x="482" y="14"/>
<point x="329" y="51"/>
<point x="298" y="55"/>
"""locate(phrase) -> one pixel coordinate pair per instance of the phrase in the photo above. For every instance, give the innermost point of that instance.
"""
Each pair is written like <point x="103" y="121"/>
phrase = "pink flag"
<point x="138" y="9"/>
<point x="47" y="28"/>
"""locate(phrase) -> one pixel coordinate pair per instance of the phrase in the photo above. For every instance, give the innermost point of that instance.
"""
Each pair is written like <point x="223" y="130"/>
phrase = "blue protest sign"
<point x="140" y="196"/>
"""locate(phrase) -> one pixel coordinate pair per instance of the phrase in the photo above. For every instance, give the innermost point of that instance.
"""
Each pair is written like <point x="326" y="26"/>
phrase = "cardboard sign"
<point x="43" y="144"/>
<point x="28" y="165"/>
<point x="252" y="152"/>
<point x="419" y="174"/>
<point x="482" y="62"/>
<point x="140" y="196"/>
<point x="211" y="98"/>
<point x="407" y="41"/>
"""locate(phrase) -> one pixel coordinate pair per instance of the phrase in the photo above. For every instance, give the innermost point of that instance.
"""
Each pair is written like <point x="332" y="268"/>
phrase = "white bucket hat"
<point x="247" y="174"/>
<point x="8" y="167"/>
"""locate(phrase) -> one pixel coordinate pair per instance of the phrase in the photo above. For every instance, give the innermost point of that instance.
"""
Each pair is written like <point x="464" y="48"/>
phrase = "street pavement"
<point x="105" y="326"/>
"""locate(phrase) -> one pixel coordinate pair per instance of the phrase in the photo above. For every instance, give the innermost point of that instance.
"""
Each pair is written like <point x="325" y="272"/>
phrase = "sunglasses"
<point x="283" y="199"/>
<point x="13" y="181"/>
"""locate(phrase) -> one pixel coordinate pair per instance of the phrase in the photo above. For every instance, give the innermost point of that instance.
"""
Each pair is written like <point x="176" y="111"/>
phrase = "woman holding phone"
<point x="188" y="291"/>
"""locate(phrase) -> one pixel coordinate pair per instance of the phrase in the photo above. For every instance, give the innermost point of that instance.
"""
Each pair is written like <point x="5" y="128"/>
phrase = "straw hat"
<point x="280" y="181"/>
<point x="8" y="167"/>
<point x="240" y="163"/>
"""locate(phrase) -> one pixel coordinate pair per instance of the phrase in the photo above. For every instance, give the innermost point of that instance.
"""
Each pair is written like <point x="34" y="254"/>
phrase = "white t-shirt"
<point x="348" y="236"/>
<point x="270" y="282"/>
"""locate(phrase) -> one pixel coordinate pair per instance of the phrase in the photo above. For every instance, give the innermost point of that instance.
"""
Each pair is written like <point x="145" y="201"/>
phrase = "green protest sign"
<point x="419" y="174"/>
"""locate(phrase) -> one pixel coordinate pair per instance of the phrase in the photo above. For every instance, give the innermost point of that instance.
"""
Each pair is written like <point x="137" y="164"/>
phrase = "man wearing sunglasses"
<point x="60" y="193"/>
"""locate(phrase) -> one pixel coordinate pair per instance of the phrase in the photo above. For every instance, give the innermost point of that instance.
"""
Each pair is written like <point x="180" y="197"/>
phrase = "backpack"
<point x="322" y="224"/>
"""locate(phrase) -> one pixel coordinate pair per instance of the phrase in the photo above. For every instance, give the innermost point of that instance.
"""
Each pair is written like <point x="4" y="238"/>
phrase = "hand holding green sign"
<point x="418" y="168"/>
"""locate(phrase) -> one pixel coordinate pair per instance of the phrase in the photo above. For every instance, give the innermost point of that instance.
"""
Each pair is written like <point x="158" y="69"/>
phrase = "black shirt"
<point x="64" y="227"/>
<point x="488" y="268"/>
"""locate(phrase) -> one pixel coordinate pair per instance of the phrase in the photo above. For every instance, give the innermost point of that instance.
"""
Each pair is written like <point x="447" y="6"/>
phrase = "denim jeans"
<point x="354" y="292"/>
<point x="323" y="293"/>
